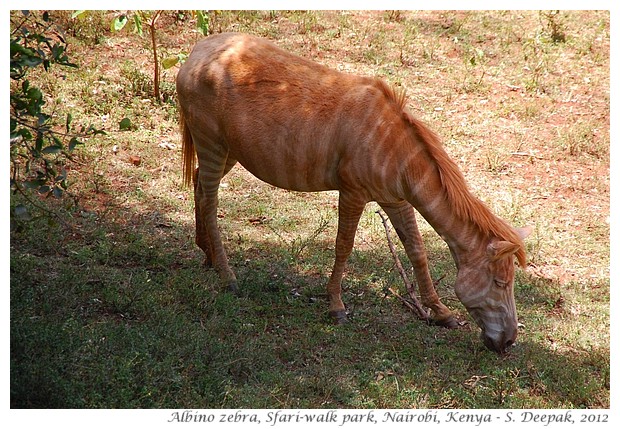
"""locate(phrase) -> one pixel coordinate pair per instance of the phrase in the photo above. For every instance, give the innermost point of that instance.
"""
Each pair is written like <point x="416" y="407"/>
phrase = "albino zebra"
<point x="299" y="125"/>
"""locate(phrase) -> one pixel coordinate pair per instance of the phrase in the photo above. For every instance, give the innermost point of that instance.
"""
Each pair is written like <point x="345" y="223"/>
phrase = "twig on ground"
<point x="405" y="301"/>
<point x="415" y="304"/>
<point x="526" y="154"/>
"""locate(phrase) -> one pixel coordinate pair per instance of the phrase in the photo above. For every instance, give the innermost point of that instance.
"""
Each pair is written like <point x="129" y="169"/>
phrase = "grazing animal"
<point x="301" y="126"/>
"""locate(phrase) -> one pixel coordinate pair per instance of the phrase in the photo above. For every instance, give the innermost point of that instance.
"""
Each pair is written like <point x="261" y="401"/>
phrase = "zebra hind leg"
<point x="208" y="177"/>
<point x="202" y="238"/>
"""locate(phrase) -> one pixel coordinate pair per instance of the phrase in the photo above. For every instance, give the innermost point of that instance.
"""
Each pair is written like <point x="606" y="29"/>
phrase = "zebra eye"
<point x="500" y="283"/>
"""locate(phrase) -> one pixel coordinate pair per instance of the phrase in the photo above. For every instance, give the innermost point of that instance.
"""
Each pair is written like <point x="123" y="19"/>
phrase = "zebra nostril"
<point x="509" y="343"/>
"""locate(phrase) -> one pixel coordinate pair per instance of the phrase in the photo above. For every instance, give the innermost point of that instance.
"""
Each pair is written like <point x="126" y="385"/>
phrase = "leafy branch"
<point x="38" y="149"/>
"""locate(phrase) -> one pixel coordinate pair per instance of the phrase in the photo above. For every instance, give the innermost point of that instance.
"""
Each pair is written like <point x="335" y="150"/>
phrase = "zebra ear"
<point x="524" y="232"/>
<point x="500" y="249"/>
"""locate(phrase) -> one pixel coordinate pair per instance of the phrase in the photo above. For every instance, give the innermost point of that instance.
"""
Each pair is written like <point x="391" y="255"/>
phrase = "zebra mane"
<point x="466" y="206"/>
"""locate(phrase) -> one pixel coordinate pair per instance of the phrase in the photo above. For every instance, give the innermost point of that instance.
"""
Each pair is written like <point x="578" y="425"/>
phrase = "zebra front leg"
<point x="403" y="219"/>
<point x="350" y="208"/>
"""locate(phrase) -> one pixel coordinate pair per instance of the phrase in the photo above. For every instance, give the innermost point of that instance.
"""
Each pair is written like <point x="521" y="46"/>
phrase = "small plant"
<point x="553" y="26"/>
<point x="475" y="59"/>
<point x="300" y="243"/>
<point x="394" y="16"/>
<point x="539" y="59"/>
<point x="139" y="83"/>
<point x="496" y="162"/>
<point x="579" y="139"/>
<point x="89" y="28"/>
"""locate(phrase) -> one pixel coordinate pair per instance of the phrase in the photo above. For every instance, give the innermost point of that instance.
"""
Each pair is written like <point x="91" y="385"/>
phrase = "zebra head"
<point x="485" y="286"/>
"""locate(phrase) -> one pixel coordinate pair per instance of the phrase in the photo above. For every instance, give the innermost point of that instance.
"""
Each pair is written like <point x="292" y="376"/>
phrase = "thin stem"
<point x="416" y="306"/>
<point x="155" y="56"/>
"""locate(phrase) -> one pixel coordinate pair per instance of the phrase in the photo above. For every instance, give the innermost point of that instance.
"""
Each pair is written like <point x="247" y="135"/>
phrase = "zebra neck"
<point x="463" y="236"/>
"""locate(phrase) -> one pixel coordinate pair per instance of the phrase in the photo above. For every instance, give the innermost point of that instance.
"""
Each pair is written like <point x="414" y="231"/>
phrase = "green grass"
<point x="127" y="317"/>
<point x="112" y="308"/>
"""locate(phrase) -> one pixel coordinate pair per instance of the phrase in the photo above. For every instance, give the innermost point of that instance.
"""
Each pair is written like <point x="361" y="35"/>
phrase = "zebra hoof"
<point x="232" y="287"/>
<point x="450" y="323"/>
<point x="339" y="317"/>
